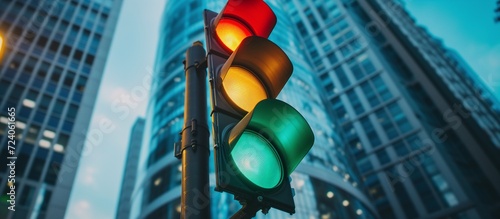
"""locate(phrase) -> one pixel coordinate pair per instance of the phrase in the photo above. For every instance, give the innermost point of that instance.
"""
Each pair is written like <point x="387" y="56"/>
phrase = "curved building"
<point x="325" y="185"/>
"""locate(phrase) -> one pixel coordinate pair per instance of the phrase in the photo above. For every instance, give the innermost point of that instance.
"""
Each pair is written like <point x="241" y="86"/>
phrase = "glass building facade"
<point x="422" y="129"/>
<point x="325" y="184"/>
<point x="50" y="71"/>
<point x="130" y="171"/>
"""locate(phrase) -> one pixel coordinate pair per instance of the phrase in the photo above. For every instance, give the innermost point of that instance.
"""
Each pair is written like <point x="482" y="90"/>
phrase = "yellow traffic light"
<point x="258" y="69"/>
<point x="243" y="88"/>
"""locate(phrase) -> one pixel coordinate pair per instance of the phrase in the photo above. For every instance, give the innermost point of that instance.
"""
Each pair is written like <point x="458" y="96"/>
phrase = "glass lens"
<point x="242" y="88"/>
<point x="231" y="32"/>
<point x="257" y="160"/>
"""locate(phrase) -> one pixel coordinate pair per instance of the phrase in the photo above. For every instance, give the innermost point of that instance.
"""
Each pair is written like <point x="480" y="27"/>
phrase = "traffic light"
<point x="259" y="140"/>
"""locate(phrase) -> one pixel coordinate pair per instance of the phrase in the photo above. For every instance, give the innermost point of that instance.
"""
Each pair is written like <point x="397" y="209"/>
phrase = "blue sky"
<point x="467" y="27"/>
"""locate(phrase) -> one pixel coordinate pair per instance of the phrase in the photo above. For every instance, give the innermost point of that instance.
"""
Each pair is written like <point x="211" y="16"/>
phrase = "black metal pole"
<point x="195" y="151"/>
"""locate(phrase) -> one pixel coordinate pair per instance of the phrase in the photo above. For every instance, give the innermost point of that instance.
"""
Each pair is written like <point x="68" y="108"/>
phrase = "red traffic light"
<point x="242" y="18"/>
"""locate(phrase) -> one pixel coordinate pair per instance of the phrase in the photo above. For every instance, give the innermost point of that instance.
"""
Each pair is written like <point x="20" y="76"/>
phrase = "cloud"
<point x="111" y="93"/>
<point x="98" y="118"/>
<point x="81" y="209"/>
<point x="85" y="209"/>
<point x="88" y="178"/>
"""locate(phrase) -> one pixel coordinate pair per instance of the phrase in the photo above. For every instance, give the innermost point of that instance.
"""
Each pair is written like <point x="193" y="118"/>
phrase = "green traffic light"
<point x="269" y="142"/>
<point x="257" y="160"/>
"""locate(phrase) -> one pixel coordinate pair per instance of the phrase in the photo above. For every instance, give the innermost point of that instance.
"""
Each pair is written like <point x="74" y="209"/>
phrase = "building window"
<point x="361" y="66"/>
<point x="27" y="196"/>
<point x="381" y="88"/>
<point x="37" y="165"/>
<point x="350" y="48"/>
<point x="364" y="165"/>
<point x="414" y="142"/>
<point x="159" y="183"/>
<point x="450" y="198"/>
<point x="344" y="37"/>
<point x="80" y="85"/>
<point x="72" y="112"/>
<point x="39" y="117"/>
<point x="329" y="88"/>
<point x="404" y="198"/>
<point x="32" y="134"/>
<point x="400" y="148"/>
<point x="371" y="134"/>
<point x="338" y="27"/>
<point x="399" y="117"/>
<point x="322" y="11"/>
<point x="314" y="54"/>
<point x="53" y="169"/>
<point x="386" y="123"/>
<point x="46" y="199"/>
<point x="28" y="68"/>
<point x="340" y="112"/>
<point x="369" y="94"/>
<point x="312" y="20"/>
<point x="382" y="156"/>
<point x="53" y="121"/>
<point x="340" y="73"/>
<point x="321" y="37"/>
<point x="355" y="102"/>
<point x="332" y="58"/>
<point x="56" y="74"/>
<point x="324" y="77"/>
<point x="58" y="108"/>
<point x="424" y="190"/>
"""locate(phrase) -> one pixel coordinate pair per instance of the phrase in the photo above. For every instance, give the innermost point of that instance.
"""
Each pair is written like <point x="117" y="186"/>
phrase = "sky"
<point x="469" y="28"/>
<point x="466" y="27"/>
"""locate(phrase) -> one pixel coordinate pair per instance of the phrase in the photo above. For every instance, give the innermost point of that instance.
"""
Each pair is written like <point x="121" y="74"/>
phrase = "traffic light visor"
<point x="272" y="125"/>
<point x="238" y="20"/>
<point x="258" y="69"/>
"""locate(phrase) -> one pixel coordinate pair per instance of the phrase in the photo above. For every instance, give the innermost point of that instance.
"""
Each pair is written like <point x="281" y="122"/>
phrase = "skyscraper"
<point x="422" y="129"/>
<point x="50" y="72"/>
<point x="130" y="171"/>
<point x="325" y="183"/>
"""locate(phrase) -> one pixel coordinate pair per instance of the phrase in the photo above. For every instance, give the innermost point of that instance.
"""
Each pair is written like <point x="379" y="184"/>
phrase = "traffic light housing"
<point x="259" y="140"/>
